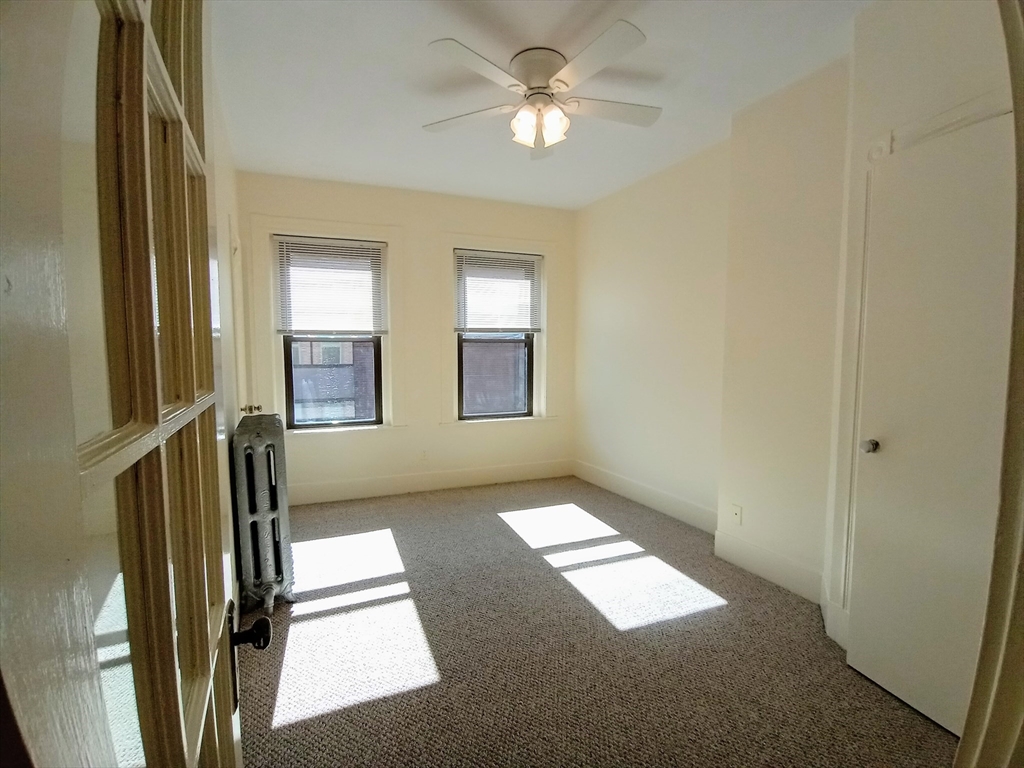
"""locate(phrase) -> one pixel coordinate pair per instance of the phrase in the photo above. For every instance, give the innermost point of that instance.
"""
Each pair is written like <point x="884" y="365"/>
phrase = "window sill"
<point x="500" y="420"/>
<point x="339" y="428"/>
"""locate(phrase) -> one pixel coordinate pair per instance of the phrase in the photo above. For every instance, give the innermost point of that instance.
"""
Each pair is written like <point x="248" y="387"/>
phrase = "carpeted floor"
<point x="430" y="632"/>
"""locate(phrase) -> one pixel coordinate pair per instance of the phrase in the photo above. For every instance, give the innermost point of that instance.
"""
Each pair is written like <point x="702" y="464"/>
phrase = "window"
<point x="497" y="314"/>
<point x="331" y="314"/>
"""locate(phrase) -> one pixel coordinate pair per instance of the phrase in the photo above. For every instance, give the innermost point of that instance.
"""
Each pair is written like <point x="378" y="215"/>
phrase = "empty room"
<point x="512" y="383"/>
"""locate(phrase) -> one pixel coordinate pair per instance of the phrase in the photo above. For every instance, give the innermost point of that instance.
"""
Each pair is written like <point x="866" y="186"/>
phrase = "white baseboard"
<point x="837" y="622"/>
<point x="769" y="565"/>
<point x="666" y="503"/>
<point x="834" y="616"/>
<point x="389" y="485"/>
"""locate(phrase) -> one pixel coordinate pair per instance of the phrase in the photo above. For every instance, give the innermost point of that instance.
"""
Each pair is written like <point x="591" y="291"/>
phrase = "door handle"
<point x="869" y="446"/>
<point x="258" y="635"/>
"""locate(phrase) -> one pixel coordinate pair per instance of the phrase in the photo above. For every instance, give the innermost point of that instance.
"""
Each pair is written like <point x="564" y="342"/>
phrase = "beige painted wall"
<point x="651" y="297"/>
<point x="421" y="445"/>
<point x="785" y="218"/>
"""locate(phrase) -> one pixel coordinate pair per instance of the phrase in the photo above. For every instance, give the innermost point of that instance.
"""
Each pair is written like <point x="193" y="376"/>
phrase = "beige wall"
<point x="651" y="297"/>
<point x="421" y="445"/>
<point x="785" y="220"/>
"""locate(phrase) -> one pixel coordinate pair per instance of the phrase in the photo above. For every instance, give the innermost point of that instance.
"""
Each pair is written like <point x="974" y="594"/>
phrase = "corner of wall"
<point x="795" y="577"/>
<point x="666" y="503"/>
<point x="837" y="623"/>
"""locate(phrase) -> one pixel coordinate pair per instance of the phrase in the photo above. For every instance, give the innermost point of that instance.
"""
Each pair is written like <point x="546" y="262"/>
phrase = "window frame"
<point x="528" y="339"/>
<point x="289" y="339"/>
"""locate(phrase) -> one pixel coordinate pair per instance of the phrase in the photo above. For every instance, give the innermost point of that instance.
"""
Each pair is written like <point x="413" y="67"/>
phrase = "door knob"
<point x="258" y="635"/>
<point x="869" y="446"/>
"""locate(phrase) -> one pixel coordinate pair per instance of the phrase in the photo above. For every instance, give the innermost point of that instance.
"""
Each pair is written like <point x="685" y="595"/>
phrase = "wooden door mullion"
<point x="200" y="266"/>
<point x="149" y="599"/>
<point x="135" y="223"/>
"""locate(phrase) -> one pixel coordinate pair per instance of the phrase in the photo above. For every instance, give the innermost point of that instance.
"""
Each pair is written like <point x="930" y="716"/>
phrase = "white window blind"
<point x="330" y="287"/>
<point x="497" y="292"/>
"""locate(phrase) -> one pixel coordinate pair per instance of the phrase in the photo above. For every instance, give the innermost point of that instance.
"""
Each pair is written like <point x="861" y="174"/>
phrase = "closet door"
<point x="939" y="262"/>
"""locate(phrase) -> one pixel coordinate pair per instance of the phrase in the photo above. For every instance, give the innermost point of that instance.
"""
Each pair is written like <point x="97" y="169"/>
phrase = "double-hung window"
<point x="497" y="315"/>
<point x="331" y="315"/>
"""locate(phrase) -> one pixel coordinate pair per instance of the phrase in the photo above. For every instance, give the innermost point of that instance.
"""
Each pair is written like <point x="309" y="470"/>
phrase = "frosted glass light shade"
<point x="524" y="126"/>
<point x="555" y="124"/>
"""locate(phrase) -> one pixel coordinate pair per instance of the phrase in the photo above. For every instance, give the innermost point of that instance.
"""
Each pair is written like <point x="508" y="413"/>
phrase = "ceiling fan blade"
<point x="456" y="51"/>
<point x="616" y="41"/>
<point x="539" y="153"/>
<point x="620" y="112"/>
<point x="469" y="117"/>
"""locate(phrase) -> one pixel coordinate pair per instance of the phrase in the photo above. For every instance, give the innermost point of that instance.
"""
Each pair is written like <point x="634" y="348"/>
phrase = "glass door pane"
<point x="90" y="221"/>
<point x="102" y="508"/>
<point x="173" y="276"/>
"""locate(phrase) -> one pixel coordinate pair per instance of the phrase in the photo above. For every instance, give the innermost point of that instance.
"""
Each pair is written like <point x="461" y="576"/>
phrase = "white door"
<point x="933" y="394"/>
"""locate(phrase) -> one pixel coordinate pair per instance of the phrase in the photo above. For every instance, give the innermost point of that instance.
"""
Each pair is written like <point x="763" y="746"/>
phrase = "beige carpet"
<point x="433" y="630"/>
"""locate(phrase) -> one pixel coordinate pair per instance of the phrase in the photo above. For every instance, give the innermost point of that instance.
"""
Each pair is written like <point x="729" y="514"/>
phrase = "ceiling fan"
<point x="542" y="76"/>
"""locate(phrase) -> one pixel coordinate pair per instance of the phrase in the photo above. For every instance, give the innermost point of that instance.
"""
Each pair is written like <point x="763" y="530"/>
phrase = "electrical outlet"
<point x="737" y="514"/>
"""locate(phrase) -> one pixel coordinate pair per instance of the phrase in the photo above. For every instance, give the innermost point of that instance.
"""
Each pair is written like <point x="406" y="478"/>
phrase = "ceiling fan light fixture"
<point x="537" y="74"/>
<point x="524" y="126"/>
<point x="554" y="124"/>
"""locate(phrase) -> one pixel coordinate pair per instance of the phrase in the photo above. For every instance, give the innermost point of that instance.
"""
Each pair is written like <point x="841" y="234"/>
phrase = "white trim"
<point x="837" y="622"/>
<point x="390" y="485"/>
<point x="769" y="565"/>
<point x="452" y="241"/>
<point x="507" y="420"/>
<point x="995" y="103"/>
<point x="655" y="498"/>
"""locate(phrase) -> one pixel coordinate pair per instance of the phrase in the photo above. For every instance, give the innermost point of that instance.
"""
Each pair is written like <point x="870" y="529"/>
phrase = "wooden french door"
<point x="135" y="606"/>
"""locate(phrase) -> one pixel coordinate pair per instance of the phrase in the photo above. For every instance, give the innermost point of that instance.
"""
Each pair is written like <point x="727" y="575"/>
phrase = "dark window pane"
<point x="495" y="377"/>
<point x="333" y="381"/>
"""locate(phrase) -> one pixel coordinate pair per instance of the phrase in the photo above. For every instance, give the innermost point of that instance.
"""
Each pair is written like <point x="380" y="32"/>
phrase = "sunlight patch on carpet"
<point x="590" y="554"/>
<point x="560" y="524"/>
<point x="118" y="685"/>
<point x="647" y="590"/>
<point x="325" y="563"/>
<point x="113" y="614"/>
<point x="344" y="658"/>
<point x="324" y="604"/>
<point x="116" y="678"/>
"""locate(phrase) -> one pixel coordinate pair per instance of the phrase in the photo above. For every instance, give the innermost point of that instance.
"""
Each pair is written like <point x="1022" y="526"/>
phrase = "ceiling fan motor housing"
<point x="535" y="67"/>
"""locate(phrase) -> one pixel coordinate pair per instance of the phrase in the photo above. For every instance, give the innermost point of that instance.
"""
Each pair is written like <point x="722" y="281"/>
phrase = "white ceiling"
<point x="339" y="89"/>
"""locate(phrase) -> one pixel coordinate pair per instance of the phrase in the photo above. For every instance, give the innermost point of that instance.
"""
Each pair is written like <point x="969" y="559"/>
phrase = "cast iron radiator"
<point x="261" y="521"/>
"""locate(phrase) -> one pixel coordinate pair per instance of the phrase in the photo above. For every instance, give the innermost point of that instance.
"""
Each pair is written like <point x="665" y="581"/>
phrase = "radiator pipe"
<point x="268" y="598"/>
